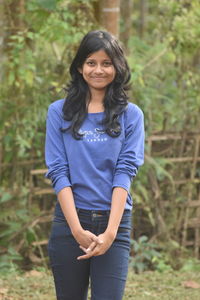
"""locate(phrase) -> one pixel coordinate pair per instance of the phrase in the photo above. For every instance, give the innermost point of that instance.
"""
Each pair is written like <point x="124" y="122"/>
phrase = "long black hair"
<point x="115" y="100"/>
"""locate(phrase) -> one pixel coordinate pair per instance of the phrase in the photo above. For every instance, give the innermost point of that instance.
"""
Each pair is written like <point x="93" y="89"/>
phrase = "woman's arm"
<point x="106" y="239"/>
<point x="59" y="174"/>
<point x="119" y="197"/>
<point x="130" y="158"/>
<point x="66" y="200"/>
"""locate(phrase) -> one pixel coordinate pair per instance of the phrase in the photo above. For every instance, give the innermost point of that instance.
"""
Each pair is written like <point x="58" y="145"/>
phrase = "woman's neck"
<point x="95" y="107"/>
<point x="96" y="102"/>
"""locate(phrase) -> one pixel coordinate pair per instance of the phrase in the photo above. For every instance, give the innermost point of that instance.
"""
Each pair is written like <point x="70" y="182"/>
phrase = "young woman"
<point x="94" y="146"/>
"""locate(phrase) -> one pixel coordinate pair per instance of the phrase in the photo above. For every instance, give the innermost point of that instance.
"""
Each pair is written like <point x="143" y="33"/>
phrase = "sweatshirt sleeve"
<point x="132" y="152"/>
<point x="55" y="154"/>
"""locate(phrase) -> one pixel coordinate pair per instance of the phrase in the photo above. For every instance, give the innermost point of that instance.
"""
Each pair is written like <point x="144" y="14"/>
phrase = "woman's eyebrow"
<point x="93" y="59"/>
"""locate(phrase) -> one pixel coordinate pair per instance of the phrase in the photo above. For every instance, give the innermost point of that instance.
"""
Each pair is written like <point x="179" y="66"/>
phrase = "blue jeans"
<point x="107" y="273"/>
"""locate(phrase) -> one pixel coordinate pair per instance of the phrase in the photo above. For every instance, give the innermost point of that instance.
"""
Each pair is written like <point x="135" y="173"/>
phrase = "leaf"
<point x="136" y="247"/>
<point x="157" y="164"/>
<point x="33" y="273"/>
<point x="3" y="292"/>
<point x="140" y="267"/>
<point x="147" y="255"/>
<point x="143" y="239"/>
<point x="47" y="4"/>
<point x="5" y="197"/>
<point x="30" y="236"/>
<point x="191" y="284"/>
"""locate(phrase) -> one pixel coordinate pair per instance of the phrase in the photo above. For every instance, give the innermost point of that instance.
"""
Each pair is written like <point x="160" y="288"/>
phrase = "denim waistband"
<point x="92" y="212"/>
<point x="96" y="212"/>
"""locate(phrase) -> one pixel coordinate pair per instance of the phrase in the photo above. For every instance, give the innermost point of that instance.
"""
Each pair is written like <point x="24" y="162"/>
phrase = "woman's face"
<point x="98" y="70"/>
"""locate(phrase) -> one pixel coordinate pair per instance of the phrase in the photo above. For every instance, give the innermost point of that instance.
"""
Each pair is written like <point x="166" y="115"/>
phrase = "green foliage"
<point x="144" y="254"/>
<point x="8" y="262"/>
<point x="166" y="85"/>
<point x="191" y="265"/>
<point x="161" y="265"/>
<point x="165" y="66"/>
<point x="33" y="79"/>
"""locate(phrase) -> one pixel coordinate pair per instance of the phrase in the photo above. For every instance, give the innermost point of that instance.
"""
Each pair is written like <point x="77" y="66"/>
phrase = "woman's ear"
<point x="80" y="70"/>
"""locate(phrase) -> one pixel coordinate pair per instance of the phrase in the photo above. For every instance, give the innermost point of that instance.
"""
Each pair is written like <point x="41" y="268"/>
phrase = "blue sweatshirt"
<point x="97" y="163"/>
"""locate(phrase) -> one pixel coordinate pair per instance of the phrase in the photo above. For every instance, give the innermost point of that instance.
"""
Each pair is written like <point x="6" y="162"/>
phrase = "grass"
<point x="166" y="286"/>
<point x="146" y="286"/>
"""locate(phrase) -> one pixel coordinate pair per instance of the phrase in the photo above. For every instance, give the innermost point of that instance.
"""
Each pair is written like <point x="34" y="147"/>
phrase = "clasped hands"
<point x="94" y="245"/>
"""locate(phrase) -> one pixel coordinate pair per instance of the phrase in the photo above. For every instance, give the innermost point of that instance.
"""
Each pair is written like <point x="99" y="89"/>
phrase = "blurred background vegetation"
<point x="162" y="43"/>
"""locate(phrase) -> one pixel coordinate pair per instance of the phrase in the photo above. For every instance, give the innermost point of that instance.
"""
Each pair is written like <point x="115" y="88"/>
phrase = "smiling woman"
<point x="112" y="98"/>
<point x="98" y="71"/>
<point x="94" y="147"/>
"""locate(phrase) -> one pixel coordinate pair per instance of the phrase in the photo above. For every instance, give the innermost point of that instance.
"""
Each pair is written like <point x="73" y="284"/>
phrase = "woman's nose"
<point x="98" y="68"/>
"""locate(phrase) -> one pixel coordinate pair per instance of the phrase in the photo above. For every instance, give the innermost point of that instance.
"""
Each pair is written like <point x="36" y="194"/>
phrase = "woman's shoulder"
<point x="133" y="110"/>
<point x="57" y="105"/>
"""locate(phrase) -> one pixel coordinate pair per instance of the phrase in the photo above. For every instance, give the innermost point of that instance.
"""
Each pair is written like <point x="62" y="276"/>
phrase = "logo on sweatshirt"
<point x="95" y="135"/>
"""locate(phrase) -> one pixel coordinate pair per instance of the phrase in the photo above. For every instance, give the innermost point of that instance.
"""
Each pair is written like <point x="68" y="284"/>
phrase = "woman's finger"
<point x="83" y="248"/>
<point x="85" y="256"/>
<point x="99" y="242"/>
<point x="91" y="246"/>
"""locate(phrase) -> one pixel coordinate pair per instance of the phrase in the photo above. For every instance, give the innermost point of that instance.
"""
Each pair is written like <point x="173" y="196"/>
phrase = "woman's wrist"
<point x="111" y="233"/>
<point x="77" y="231"/>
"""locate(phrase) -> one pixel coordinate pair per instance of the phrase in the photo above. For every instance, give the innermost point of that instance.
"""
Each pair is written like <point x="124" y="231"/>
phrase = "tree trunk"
<point x="110" y="11"/>
<point x="2" y="39"/>
<point x="126" y="10"/>
<point x="14" y="12"/>
<point x="143" y="16"/>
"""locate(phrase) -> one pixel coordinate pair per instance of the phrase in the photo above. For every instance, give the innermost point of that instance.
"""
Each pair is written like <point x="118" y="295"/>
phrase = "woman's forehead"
<point x="100" y="54"/>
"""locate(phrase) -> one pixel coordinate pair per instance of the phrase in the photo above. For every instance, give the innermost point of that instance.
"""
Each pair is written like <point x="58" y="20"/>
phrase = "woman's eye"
<point x="104" y="64"/>
<point x="90" y="63"/>
<point x="107" y="63"/>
